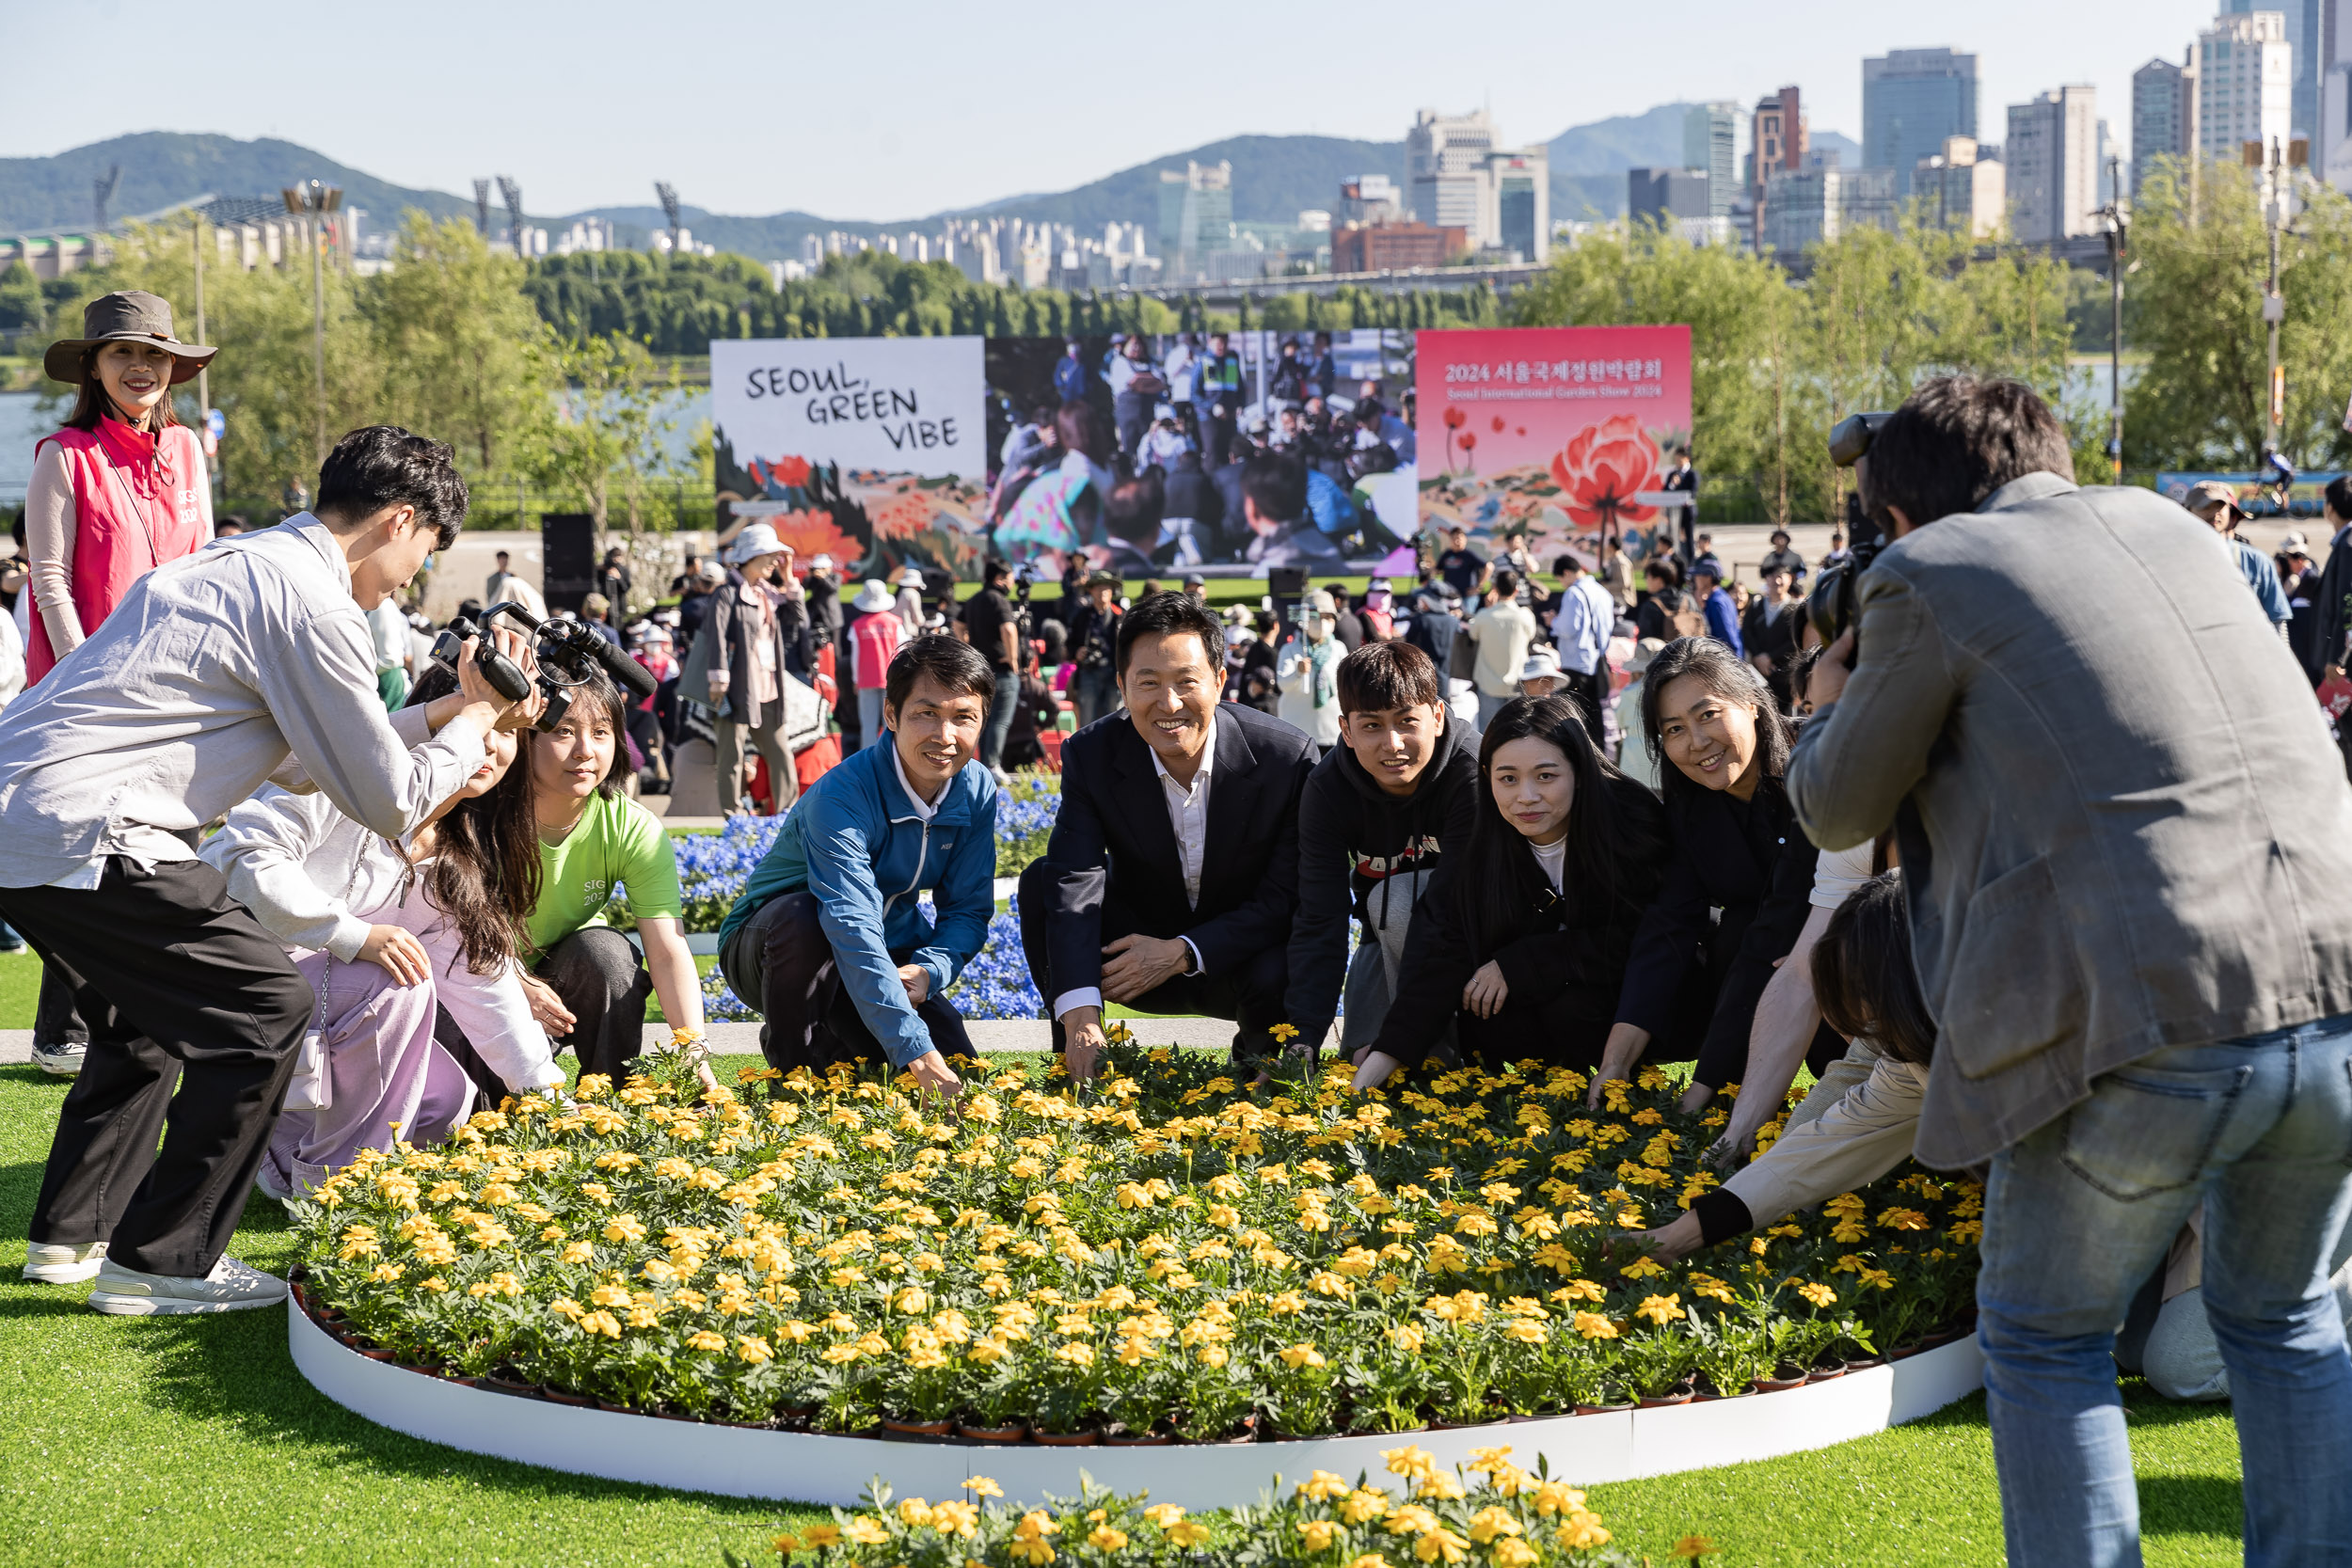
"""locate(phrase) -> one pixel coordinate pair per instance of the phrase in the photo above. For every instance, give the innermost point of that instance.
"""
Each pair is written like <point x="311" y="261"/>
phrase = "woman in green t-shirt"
<point x="588" y="986"/>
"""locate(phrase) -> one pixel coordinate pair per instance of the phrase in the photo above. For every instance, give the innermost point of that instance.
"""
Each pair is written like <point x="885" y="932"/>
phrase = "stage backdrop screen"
<point x="872" y="451"/>
<point x="1552" y="433"/>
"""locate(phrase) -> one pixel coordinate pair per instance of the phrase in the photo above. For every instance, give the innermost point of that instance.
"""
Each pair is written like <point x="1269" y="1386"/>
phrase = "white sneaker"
<point x="230" y="1287"/>
<point x="55" y="1263"/>
<point x="62" y="1060"/>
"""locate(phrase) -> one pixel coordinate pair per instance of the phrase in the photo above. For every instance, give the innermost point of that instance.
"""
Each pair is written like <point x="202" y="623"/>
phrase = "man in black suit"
<point x="1172" y="872"/>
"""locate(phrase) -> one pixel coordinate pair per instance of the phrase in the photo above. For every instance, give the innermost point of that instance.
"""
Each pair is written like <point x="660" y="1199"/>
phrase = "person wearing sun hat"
<point x="117" y="491"/>
<point x="2217" y="505"/>
<point x="874" y="638"/>
<point x="750" y="643"/>
<point x="908" y="580"/>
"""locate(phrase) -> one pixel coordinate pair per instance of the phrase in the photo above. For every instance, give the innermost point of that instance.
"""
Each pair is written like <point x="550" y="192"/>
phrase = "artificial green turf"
<point x="193" y="1440"/>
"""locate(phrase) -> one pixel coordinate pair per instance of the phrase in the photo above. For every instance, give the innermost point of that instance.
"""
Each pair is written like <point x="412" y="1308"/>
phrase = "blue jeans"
<point x="999" y="720"/>
<point x="2078" y="1214"/>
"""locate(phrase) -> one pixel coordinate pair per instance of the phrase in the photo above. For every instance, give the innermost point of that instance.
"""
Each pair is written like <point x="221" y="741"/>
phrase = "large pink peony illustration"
<point x="1602" y="468"/>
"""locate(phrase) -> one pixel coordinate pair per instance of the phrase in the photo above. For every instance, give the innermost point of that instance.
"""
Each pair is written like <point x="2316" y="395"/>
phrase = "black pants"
<point x="1588" y="692"/>
<point x="195" y="1016"/>
<point x="782" y="963"/>
<point x="449" y="1038"/>
<point x="1251" y="996"/>
<point x="604" y="986"/>
<point x="55" y="1021"/>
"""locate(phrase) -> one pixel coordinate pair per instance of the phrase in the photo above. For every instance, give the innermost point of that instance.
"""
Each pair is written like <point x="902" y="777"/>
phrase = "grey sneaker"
<point x="56" y="1263"/>
<point x="230" y="1287"/>
<point x="61" y="1060"/>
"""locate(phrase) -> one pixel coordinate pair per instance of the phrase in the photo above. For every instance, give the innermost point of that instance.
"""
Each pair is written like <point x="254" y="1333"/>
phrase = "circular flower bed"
<point x="1159" y="1256"/>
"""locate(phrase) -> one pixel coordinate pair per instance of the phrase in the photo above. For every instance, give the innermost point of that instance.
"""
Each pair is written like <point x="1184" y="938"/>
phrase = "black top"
<point x="1461" y="569"/>
<point x="1775" y="635"/>
<point x="1565" y="957"/>
<point x="1093" y="639"/>
<point x="986" y="614"/>
<point x="1654" y="616"/>
<point x="1750" y="860"/>
<point x="1113" y="839"/>
<point x="1353" y="836"/>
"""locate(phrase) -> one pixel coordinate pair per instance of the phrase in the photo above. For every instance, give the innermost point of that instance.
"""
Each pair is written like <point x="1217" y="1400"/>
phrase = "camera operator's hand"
<point x="1831" y="673"/>
<point x="398" y="954"/>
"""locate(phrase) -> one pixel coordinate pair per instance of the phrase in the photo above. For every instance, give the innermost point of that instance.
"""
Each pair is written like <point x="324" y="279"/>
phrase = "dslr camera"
<point x="1831" y="607"/>
<point x="569" y="654"/>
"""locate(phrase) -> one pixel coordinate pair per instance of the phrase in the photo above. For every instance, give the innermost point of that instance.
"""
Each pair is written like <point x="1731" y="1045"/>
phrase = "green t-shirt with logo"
<point x="616" y="842"/>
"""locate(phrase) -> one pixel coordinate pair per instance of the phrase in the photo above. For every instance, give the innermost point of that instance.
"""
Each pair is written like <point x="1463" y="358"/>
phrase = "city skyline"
<point x="463" y="89"/>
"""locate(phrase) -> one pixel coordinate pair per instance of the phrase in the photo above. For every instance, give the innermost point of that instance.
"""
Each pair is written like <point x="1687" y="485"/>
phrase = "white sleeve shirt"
<point x="1188" y="813"/>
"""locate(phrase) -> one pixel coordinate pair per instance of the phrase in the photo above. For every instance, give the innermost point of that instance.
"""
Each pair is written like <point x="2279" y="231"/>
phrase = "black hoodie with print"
<point x="1353" y="837"/>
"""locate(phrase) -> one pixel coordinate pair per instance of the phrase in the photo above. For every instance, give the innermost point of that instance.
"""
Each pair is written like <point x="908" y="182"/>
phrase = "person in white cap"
<point x="739" y="662"/>
<point x="874" y="638"/>
<point x="910" y="585"/>
<point x="1166" y="442"/>
<point x="1540" y="675"/>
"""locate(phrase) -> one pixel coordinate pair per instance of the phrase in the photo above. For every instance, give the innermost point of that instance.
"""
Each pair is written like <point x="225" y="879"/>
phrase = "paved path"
<point x="1204" y="1033"/>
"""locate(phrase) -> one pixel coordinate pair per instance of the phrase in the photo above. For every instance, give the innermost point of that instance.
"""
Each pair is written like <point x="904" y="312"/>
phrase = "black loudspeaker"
<point x="1286" y="582"/>
<point x="567" y="545"/>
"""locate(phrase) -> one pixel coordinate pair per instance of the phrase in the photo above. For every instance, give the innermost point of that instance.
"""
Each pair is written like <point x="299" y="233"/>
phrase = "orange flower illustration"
<point x="814" y="533"/>
<point x="1603" y="467"/>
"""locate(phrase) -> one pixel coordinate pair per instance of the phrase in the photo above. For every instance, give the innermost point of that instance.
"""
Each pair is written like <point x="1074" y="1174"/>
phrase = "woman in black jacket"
<point x="1521" y="940"/>
<point x="1737" y="848"/>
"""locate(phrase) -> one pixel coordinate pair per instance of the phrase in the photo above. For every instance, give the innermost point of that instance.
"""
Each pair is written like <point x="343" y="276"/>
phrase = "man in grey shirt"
<point x="2128" y="847"/>
<point x="247" y="662"/>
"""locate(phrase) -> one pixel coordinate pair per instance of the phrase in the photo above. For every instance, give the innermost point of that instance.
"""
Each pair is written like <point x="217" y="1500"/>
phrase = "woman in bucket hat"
<point x="122" y="488"/>
<point x="115" y="494"/>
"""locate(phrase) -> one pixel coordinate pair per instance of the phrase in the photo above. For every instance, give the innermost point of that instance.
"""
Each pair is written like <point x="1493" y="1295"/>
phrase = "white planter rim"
<point x="816" y="1467"/>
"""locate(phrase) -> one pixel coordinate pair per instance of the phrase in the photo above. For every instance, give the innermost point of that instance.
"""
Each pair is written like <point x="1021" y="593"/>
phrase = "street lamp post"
<point x="2116" y="221"/>
<point x="312" y="201"/>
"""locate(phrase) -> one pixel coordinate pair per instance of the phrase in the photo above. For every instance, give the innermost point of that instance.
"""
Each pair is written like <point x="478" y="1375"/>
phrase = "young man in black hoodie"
<point x="1378" y="813"/>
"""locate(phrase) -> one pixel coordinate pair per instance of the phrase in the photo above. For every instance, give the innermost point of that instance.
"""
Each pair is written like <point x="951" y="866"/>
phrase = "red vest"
<point x="136" y="506"/>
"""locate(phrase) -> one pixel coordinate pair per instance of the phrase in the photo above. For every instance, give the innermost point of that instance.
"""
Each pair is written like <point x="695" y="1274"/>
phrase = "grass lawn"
<point x="193" y="1440"/>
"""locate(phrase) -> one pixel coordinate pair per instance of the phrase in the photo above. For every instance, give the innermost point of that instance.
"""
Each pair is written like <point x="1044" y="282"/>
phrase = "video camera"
<point x="1831" y="607"/>
<point x="568" y="655"/>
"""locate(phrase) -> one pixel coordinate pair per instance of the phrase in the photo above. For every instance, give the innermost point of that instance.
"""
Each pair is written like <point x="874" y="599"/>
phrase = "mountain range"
<point x="1274" y="178"/>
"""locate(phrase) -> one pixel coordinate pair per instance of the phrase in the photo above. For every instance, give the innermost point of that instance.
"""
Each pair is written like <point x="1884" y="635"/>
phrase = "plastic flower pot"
<point x="1673" y="1396"/>
<point x="372" y="1351"/>
<point x="512" y="1386"/>
<point x="1904" y="1353"/>
<point x="1069" y="1439"/>
<point x="1123" y="1439"/>
<point x="1601" y="1409"/>
<point x="917" y="1429"/>
<point x="1824" y="1374"/>
<point x="1778" y="1384"/>
<point x="1012" y="1433"/>
<point x="558" y="1396"/>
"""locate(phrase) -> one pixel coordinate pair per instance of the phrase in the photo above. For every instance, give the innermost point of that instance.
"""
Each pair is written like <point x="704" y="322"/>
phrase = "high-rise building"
<point x="2163" y="114"/>
<point x="1370" y="199"/>
<point x="1711" y="135"/>
<point x="2304" y="25"/>
<point x="2245" y="83"/>
<point x="1196" y="210"/>
<point x="1963" y="188"/>
<point x="2331" y="140"/>
<point x="1666" y="197"/>
<point x="1912" y="99"/>
<point x="1800" y="207"/>
<point x="1777" y="143"/>
<point x="1518" y="187"/>
<point x="2053" y="156"/>
<point x="1445" y="157"/>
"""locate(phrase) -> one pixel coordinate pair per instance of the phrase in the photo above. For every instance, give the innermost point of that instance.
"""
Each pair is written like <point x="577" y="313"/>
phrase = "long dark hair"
<point x="1728" y="676"/>
<point x="485" y="875"/>
<point x="1862" y="975"/>
<point x="92" y="401"/>
<point x="1612" y="858"/>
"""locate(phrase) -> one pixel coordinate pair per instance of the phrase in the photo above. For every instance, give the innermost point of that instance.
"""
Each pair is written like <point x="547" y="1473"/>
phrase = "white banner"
<point x="894" y="405"/>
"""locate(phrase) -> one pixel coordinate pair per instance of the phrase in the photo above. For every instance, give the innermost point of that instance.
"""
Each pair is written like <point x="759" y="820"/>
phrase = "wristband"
<point x="691" y="1043"/>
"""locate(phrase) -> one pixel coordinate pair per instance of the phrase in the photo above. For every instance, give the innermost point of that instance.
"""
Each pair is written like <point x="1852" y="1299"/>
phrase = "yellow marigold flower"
<point x="1489" y="1523"/>
<point x="1359" y="1507"/>
<point x="1407" y="1338"/>
<point x="1322" y="1487"/>
<point x="579" y="1252"/>
<point x="1445" y="1488"/>
<point x="1411" y="1461"/>
<point x="1819" y="1295"/>
<point x="1642" y="1268"/>
<point x="1692" y="1548"/>
<point x="1318" y="1535"/>
<point x="1579" y="1290"/>
<point x="1581" y="1532"/>
<point x="1513" y="1553"/>
<point x="1368" y="1560"/>
<point x="1105" y="1539"/>
<point x="864" y="1531"/>
<point x="1163" y="1514"/>
<point x="1411" y="1519"/>
<point x="1077" y="1355"/>
<point x="1299" y="1357"/>
<point x="1441" y="1546"/>
<point x="1524" y="1332"/>
<point x="980" y="1486"/>
<point x="707" y="1342"/>
<point x="1591" y="1325"/>
<point x="625" y="1227"/>
<point x="753" y="1349"/>
<point x="1709" y="1288"/>
<point x="1660" y="1309"/>
<point x="954" y="1518"/>
<point x="1902" y="1219"/>
<point x="601" y="1322"/>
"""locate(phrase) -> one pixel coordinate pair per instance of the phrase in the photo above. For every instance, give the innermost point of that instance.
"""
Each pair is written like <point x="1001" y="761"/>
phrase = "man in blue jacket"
<point x="828" y="939"/>
<point x="1722" y="616"/>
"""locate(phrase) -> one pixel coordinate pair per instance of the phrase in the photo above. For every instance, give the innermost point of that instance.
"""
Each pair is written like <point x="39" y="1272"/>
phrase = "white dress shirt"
<point x="1188" y="813"/>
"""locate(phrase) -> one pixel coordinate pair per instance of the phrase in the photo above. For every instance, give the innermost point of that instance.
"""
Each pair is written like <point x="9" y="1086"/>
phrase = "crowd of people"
<point x="2062" y="895"/>
<point x="1201" y="462"/>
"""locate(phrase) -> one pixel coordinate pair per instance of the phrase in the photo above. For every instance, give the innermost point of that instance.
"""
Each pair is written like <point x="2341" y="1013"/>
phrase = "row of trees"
<point x="544" y="374"/>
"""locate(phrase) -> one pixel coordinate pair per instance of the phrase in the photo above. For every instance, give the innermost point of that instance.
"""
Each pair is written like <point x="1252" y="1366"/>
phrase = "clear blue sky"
<point x="888" y="111"/>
